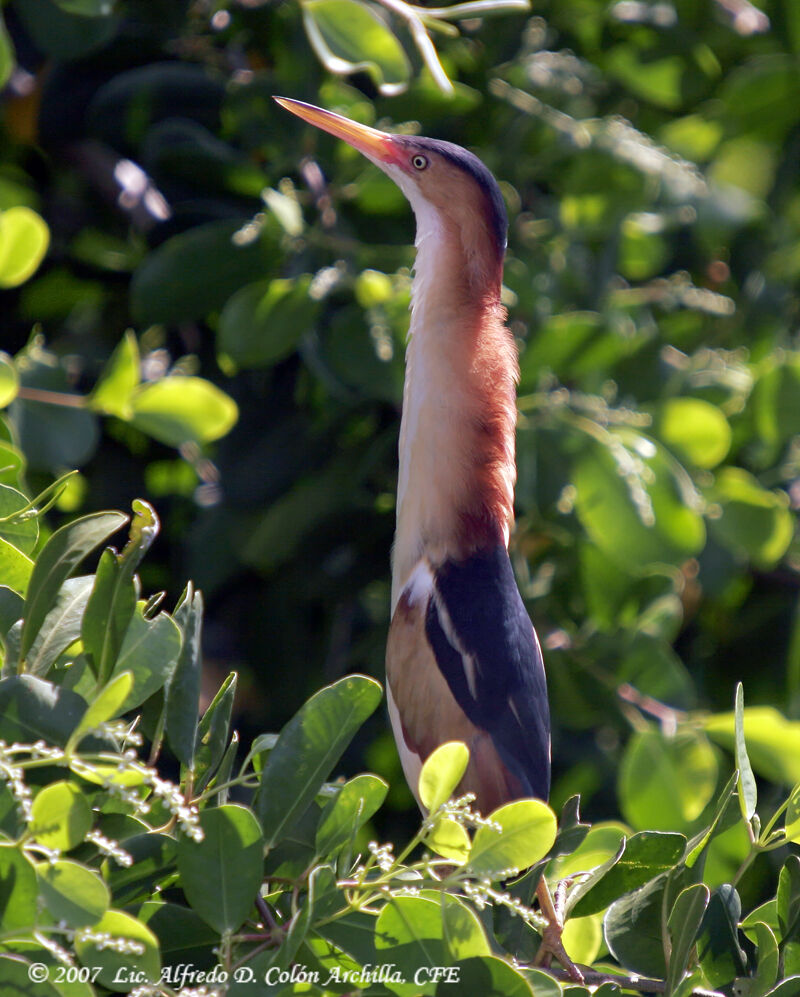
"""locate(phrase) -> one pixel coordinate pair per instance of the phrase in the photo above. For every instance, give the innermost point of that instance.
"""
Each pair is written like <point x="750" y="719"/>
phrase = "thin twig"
<point x="52" y="397"/>
<point x="423" y="42"/>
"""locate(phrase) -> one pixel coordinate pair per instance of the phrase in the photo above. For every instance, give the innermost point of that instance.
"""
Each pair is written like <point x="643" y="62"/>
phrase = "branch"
<point x="633" y="982"/>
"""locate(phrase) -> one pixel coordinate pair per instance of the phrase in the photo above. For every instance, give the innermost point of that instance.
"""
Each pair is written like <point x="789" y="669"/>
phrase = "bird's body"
<point x="462" y="662"/>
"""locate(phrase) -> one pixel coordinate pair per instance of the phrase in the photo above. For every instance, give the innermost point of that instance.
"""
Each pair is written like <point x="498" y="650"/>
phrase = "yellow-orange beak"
<point x="375" y="145"/>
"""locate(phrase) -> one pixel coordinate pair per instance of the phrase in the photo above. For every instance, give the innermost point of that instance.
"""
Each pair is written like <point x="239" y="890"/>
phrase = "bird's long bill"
<point x="375" y="145"/>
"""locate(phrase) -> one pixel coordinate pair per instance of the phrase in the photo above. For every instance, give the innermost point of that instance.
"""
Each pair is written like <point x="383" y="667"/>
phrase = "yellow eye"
<point x="419" y="162"/>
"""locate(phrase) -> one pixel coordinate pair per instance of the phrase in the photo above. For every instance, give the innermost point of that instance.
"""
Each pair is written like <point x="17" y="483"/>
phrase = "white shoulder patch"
<point x="420" y="584"/>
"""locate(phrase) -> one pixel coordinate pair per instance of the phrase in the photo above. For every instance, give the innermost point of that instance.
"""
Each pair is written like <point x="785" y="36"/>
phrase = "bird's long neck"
<point x="457" y="470"/>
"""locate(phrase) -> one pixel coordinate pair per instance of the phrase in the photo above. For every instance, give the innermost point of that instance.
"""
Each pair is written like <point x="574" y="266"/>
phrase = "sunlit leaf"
<point x="24" y="239"/>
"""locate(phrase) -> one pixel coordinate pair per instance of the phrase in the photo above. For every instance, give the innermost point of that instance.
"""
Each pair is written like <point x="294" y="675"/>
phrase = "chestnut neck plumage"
<point x="457" y="469"/>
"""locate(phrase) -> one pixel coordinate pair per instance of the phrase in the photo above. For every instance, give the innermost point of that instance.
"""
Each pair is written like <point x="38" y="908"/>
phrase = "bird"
<point x="463" y="662"/>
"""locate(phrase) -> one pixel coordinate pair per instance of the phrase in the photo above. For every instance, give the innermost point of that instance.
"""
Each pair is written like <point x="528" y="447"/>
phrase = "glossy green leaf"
<point x="15" y="973"/>
<point x="60" y="816"/>
<point x="643" y="250"/>
<point x="9" y="378"/>
<point x="583" y="938"/>
<point x="636" y="503"/>
<point x="11" y="608"/>
<point x="24" y="239"/>
<point x="718" y="948"/>
<point x="196" y="272"/>
<point x="411" y="929"/>
<point x="449" y="839"/>
<point x="773" y="742"/>
<point x="17" y="888"/>
<point x="153" y="860"/>
<point x="113" y="600"/>
<point x="355" y="803"/>
<point x="262" y="322"/>
<point x="767" y="969"/>
<point x="666" y="783"/>
<point x="231" y="841"/>
<point x="149" y="653"/>
<point x="113" y="393"/>
<point x="632" y="929"/>
<point x="213" y="732"/>
<point x="308" y="748"/>
<point x="16" y="568"/>
<point x="17" y="525"/>
<point x="178" y="410"/>
<point x="184" y="686"/>
<point x="183" y="936"/>
<point x="695" y="430"/>
<point x="646" y="855"/>
<point x="751" y="521"/>
<point x="441" y="773"/>
<point x="527" y="830"/>
<point x="788" y="899"/>
<point x="683" y="925"/>
<point x="486" y="976"/>
<point x="59" y="557"/>
<point x="144" y="965"/>
<point x="792" y="819"/>
<point x="32" y="709"/>
<point x="105" y="706"/>
<point x="776" y="400"/>
<point x="348" y="36"/>
<point x="61" y="626"/>
<point x="72" y="893"/>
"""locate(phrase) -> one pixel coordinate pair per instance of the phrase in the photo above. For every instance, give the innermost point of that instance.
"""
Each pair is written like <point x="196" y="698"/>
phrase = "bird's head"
<point x="450" y="190"/>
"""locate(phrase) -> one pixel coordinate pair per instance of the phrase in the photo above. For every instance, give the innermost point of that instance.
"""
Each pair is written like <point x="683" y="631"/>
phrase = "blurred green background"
<point x="648" y="154"/>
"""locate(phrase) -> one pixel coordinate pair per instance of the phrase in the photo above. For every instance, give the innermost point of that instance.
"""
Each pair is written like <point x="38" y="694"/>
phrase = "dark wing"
<point x="486" y="648"/>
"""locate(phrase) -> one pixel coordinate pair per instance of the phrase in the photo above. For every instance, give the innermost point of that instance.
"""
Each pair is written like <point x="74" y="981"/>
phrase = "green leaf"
<point x="441" y="773"/>
<point x="143" y="965"/>
<point x="768" y="958"/>
<point x="645" y="856"/>
<point x="483" y="976"/>
<point x="527" y="830"/>
<point x="113" y="599"/>
<point x="464" y="936"/>
<point x="105" y="706"/>
<point x="665" y="783"/>
<point x="776" y="401"/>
<point x="788" y="898"/>
<point x="16" y="568"/>
<point x="154" y="856"/>
<point x="748" y="792"/>
<point x="59" y="557"/>
<point x="178" y="410"/>
<point x="263" y="322"/>
<point x="6" y="54"/>
<point x="683" y="926"/>
<point x="750" y="520"/>
<point x="17" y="525"/>
<point x="347" y="36"/>
<point x="196" y="272"/>
<point x="24" y="238"/>
<point x="636" y="503"/>
<point x="15" y="974"/>
<point x="183" y="689"/>
<point x="113" y="393"/>
<point x="149" y="653"/>
<point x="632" y="929"/>
<point x="221" y="875"/>
<point x="695" y="430"/>
<point x="9" y="378"/>
<point x="718" y="950"/>
<point x="449" y="839"/>
<point x="60" y="816"/>
<point x="33" y="710"/>
<point x="773" y="742"/>
<point x="725" y="815"/>
<point x="350" y="809"/>
<point x="72" y="893"/>
<point x="213" y="732"/>
<point x="308" y="748"/>
<point x="412" y="930"/>
<point x="184" y="938"/>
<point x="11" y="608"/>
<point x="61" y="626"/>
<point x="792" y="820"/>
<point x="583" y="938"/>
<point x="17" y="888"/>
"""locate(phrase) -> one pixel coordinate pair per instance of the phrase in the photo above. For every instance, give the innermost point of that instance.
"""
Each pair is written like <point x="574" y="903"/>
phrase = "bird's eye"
<point x="419" y="162"/>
